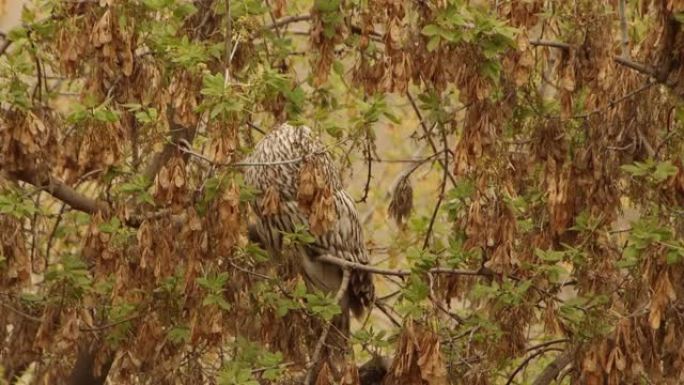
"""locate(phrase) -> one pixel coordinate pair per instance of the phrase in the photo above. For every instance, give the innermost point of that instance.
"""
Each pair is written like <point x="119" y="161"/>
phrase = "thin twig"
<point x="285" y="21"/>
<point x="441" y="191"/>
<point x="21" y="313"/>
<point x="5" y="45"/>
<point x="427" y="133"/>
<point x="346" y="273"/>
<point x="547" y="43"/>
<point x="276" y="27"/>
<point x="256" y="128"/>
<point x="369" y="174"/>
<point x="623" y="29"/>
<point x="399" y="273"/>
<point x="527" y="361"/>
<point x="552" y="370"/>
<point x="615" y="102"/>
<point x="34" y="226"/>
<point x="383" y="308"/>
<point x="279" y="366"/>
<point x="53" y="232"/>
<point x="110" y="325"/>
<point x="254" y="273"/>
<point x="547" y="343"/>
<point x="639" y="67"/>
<point x="229" y="41"/>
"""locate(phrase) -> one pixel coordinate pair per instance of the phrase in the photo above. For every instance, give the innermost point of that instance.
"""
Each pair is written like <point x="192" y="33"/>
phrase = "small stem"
<point x="623" y="29"/>
<point x="229" y="41"/>
<point x="346" y="273"/>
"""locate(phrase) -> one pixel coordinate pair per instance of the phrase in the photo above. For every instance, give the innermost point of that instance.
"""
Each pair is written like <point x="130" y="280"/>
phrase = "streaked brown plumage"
<point x="277" y="160"/>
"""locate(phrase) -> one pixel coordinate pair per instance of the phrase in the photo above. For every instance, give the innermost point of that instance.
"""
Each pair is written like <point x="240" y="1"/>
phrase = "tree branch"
<point x="285" y="21"/>
<point x="552" y="370"/>
<point x="399" y="273"/>
<point x="5" y="45"/>
<point x="442" y="188"/>
<point x="623" y="29"/>
<point x="526" y="362"/>
<point x="643" y="68"/>
<point x="428" y="134"/>
<point x="548" y="43"/>
<point x="622" y="60"/>
<point x="369" y="174"/>
<point x="61" y="191"/>
<point x="160" y="158"/>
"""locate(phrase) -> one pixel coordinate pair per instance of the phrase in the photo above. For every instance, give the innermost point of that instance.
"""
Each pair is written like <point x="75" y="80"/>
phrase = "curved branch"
<point x="552" y="370"/>
<point x="526" y="362"/>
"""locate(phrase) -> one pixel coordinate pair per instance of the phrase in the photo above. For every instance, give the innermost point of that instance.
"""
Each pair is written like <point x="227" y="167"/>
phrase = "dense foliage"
<point x="545" y="144"/>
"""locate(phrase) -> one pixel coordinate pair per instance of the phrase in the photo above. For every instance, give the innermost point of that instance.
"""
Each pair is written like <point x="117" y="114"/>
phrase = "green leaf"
<point x="327" y="5"/>
<point x="664" y="170"/>
<point x="679" y="17"/>
<point x="213" y="282"/>
<point x="218" y="300"/>
<point x="179" y="334"/>
<point x="158" y="5"/>
<point x="431" y="30"/>
<point x="549" y="255"/>
<point x="673" y="257"/>
<point x="433" y="43"/>
<point x="110" y="227"/>
<point x="322" y="305"/>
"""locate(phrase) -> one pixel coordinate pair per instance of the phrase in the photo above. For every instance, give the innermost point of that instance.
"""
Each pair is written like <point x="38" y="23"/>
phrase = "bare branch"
<point x="552" y="370"/>
<point x="20" y="312"/>
<point x="440" y="198"/>
<point x="428" y="133"/>
<point x="229" y="41"/>
<point x="547" y="343"/>
<point x="547" y="43"/>
<point x="526" y="362"/>
<point x="617" y="101"/>
<point x="399" y="273"/>
<point x="5" y="45"/>
<point x="623" y="29"/>
<point x="369" y="174"/>
<point x="644" y="69"/>
<point x="622" y="60"/>
<point x="61" y="191"/>
<point x="285" y="21"/>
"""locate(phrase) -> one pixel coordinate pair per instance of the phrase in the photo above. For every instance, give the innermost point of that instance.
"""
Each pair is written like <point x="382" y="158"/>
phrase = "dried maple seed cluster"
<point x="547" y="246"/>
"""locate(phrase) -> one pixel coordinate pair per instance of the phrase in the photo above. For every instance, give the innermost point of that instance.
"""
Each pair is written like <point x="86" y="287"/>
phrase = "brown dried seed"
<point x="270" y="202"/>
<point x="306" y="189"/>
<point x="401" y="204"/>
<point x="322" y="212"/>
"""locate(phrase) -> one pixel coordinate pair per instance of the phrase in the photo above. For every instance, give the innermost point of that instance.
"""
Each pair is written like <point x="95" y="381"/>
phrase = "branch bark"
<point x="400" y="273"/>
<point x="61" y="191"/>
<point x="622" y="60"/>
<point x="555" y="367"/>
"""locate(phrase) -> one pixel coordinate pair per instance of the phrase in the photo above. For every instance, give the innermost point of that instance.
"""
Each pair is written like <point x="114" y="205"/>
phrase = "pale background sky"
<point x="10" y="11"/>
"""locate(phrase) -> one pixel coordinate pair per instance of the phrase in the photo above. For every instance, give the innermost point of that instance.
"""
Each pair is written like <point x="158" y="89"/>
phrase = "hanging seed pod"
<point x="270" y="202"/>
<point x="402" y="200"/>
<point x="306" y="188"/>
